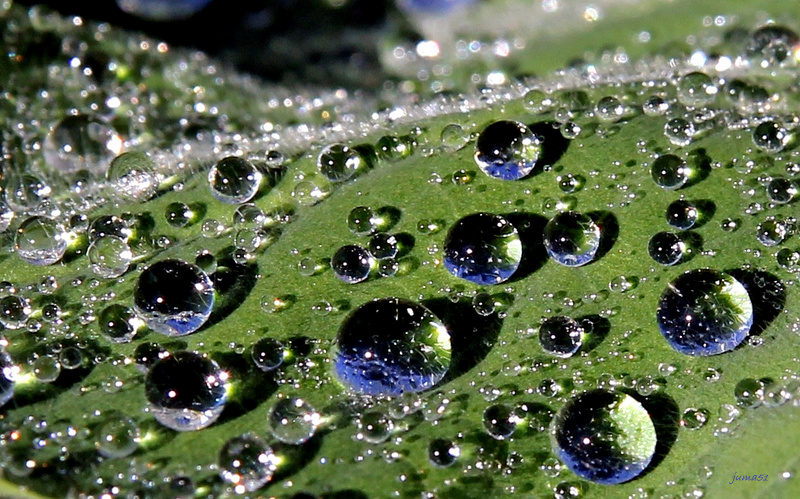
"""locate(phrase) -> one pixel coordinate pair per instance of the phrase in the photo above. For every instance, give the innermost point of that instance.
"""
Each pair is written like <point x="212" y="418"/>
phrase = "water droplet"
<point x="352" y="264"/>
<point x="771" y="137"/>
<point x="570" y="130"/>
<point x="247" y="462"/>
<point x="118" y="323"/>
<point x="535" y="101"/>
<point x="8" y="375"/>
<point x="771" y="45"/>
<point x="781" y="190"/>
<point x="118" y="437"/>
<point x="483" y="248"/>
<point x="81" y="142"/>
<point x="682" y="214"/>
<point x="749" y="393"/>
<point x="388" y="267"/>
<point x="605" y="437"/>
<point x="338" y="162"/>
<point x="310" y="192"/>
<point x="293" y="421"/>
<point x="14" y="311"/>
<point x="46" y="368"/>
<point x="383" y="246"/>
<point x="374" y="427"/>
<point x="71" y="358"/>
<point x="670" y="172"/>
<point x="500" y="421"/>
<point x="362" y="221"/>
<point x="268" y="354"/>
<point x="173" y="297"/>
<point x="234" y="180"/>
<point x="132" y="175"/>
<point x="666" y="248"/>
<point x="179" y="214"/>
<point x="146" y="354"/>
<point x="109" y="256"/>
<point x="696" y="90"/>
<point x="187" y="391"/>
<point x="679" y="132"/>
<point x="705" y="312"/>
<point x="788" y="259"/>
<point x="507" y="150"/>
<point x="655" y="106"/>
<point x="6" y="216"/>
<point x="41" y="241"/>
<point x="609" y="108"/>
<point x="454" y="138"/>
<point x="694" y="419"/>
<point x="561" y="336"/>
<point x="772" y="231"/>
<point x="484" y="304"/>
<point x="391" y="346"/>
<point x="729" y="224"/>
<point x="572" y="238"/>
<point x="110" y="225"/>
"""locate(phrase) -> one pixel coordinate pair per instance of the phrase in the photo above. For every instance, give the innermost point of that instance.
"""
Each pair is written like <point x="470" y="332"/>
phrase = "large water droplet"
<point x="483" y="248"/>
<point x="338" y="162"/>
<point x="187" y="391"/>
<point x="391" y="346"/>
<point x="696" y="90"/>
<point x="234" y="180"/>
<point x="772" y="45"/>
<point x="705" y="312"/>
<point x="507" y="150"/>
<point x="771" y="137"/>
<point x="666" y="248"/>
<point x="352" y="264"/>
<point x="561" y="336"/>
<point x="293" y="420"/>
<point x="109" y="256"/>
<point x="443" y="452"/>
<point x="605" y="437"/>
<point x="41" y="241"/>
<point x="174" y="297"/>
<point x="247" y="462"/>
<point x="572" y="238"/>
<point x="132" y="175"/>
<point x="670" y="172"/>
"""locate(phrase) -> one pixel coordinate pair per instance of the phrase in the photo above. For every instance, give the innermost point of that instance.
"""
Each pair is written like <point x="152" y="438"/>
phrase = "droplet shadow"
<point x="767" y="294"/>
<point x="554" y="144"/>
<point x="531" y="229"/>
<point x="665" y="414"/>
<point x="609" y="231"/>
<point x="232" y="285"/>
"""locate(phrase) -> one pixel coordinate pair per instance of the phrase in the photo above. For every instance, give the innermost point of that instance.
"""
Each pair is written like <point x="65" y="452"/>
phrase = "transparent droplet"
<point x="773" y="45"/>
<point x="670" y="172"/>
<point x="483" y="248"/>
<point x="391" y="148"/>
<point x="352" y="264"/>
<point x="186" y="390"/>
<point x="41" y="241"/>
<point x="374" y="427"/>
<point x="696" y="90"/>
<point x="146" y="354"/>
<point x="561" y="336"/>
<point x="570" y="183"/>
<point x="771" y="137"/>
<point x="118" y="323"/>
<point x="293" y="420"/>
<point x="391" y="346"/>
<point x="570" y="130"/>
<point x="6" y="216"/>
<point x="173" y="297"/>
<point x="338" y="162"/>
<point x="730" y="224"/>
<point x="781" y="190"/>
<point x="536" y="101"/>
<point x="772" y="231"/>
<point x="81" y="142"/>
<point x="310" y="192"/>
<point x="180" y="214"/>
<point x="71" y="358"/>
<point x="682" y="214"/>
<point x="572" y="238"/>
<point x="247" y="462"/>
<point x="454" y="138"/>
<point x="788" y="259"/>
<point x="749" y="393"/>
<point x="507" y="150"/>
<point x="109" y="256"/>
<point x="383" y="246"/>
<point x="268" y="354"/>
<point x="362" y="221"/>
<point x="705" y="312"/>
<point x="443" y="452"/>
<point x="132" y="176"/>
<point x="655" y="106"/>
<point x="609" y="108"/>
<point x="694" y="419"/>
<point x="388" y="267"/>
<point x="14" y="311"/>
<point x="46" y="368"/>
<point x="679" y="131"/>
<point x="118" y="437"/>
<point x="25" y="191"/>
<point x="666" y="248"/>
<point x="484" y="304"/>
<point x="500" y="421"/>
<point x="234" y="180"/>
<point x="604" y="437"/>
<point x="110" y="225"/>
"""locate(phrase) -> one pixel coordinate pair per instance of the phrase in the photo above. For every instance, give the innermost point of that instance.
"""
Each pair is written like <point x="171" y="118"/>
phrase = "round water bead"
<point x="694" y="419"/>
<point x="391" y="346"/>
<point x="749" y="393"/>
<point x="771" y="137"/>
<point x="772" y="231"/>
<point x="118" y="437"/>
<point x="561" y="336"/>
<point x="247" y="462"/>
<point x="110" y="225"/>
<point x="132" y="176"/>
<point x="293" y="421"/>
<point x="374" y="427"/>
<point x="146" y="354"/>
<point x="352" y="264"/>
<point x="696" y="90"/>
<point x="268" y="354"/>
<point x="704" y="312"/>
<point x="572" y="239"/>
<point x="500" y="421"/>
<point x="162" y="10"/>
<point x="174" y="297"/>
<point x="46" y="368"/>
<point x="682" y="214"/>
<point x="14" y="311"/>
<point x="604" y="437"/>
<point x="772" y="45"/>
<point x="781" y="190"/>
<point x="570" y="130"/>
<point x="454" y="137"/>
<point x="383" y="246"/>
<point x="81" y="142"/>
<point x="670" y="172"/>
<point x="655" y="106"/>
<point x="234" y="180"/>
<point x="25" y="191"/>
<point x="391" y="148"/>
<point x="507" y="150"/>
<point x="338" y="162"/>
<point x="187" y="391"/>
<point x="443" y="452"/>
<point x="362" y="221"/>
<point x="118" y="323"/>
<point x="8" y="376"/>
<point x="609" y="108"/>
<point x="179" y="214"/>
<point x="41" y="241"/>
<point x="679" y="131"/>
<point x="483" y="248"/>
<point x="109" y="256"/>
<point x="666" y="248"/>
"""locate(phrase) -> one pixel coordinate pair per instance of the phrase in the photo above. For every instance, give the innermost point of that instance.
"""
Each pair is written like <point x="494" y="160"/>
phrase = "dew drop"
<point x="41" y="241"/>
<point x="483" y="248"/>
<point x="609" y="109"/>
<point x="772" y="231"/>
<point x="772" y="45"/>
<point x="781" y="190"/>
<point x="572" y="239"/>
<point x="46" y="368"/>
<point x="696" y="90"/>
<point x="500" y="421"/>
<point x="362" y="221"/>
<point x="561" y="336"/>
<point x="749" y="393"/>
<point x="247" y="462"/>
<point x="268" y="354"/>
<point x="132" y="175"/>
<point x="679" y="132"/>
<point x="391" y="346"/>
<point x="383" y="246"/>
<point x="507" y="150"/>
<point x="118" y="323"/>
<point x="118" y="437"/>
<point x="109" y="257"/>
<point x="682" y="214"/>
<point x="81" y="142"/>
<point x="234" y="180"/>
<point x="694" y="419"/>
<point x="180" y="214"/>
<point x="293" y="421"/>
<point x="670" y="172"/>
<point x="14" y="311"/>
<point x="8" y="376"/>
<point x="352" y="264"/>
<point x="374" y="427"/>
<point x="338" y="162"/>
<point x="771" y="137"/>
<point x="454" y="138"/>
<point x="666" y="248"/>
